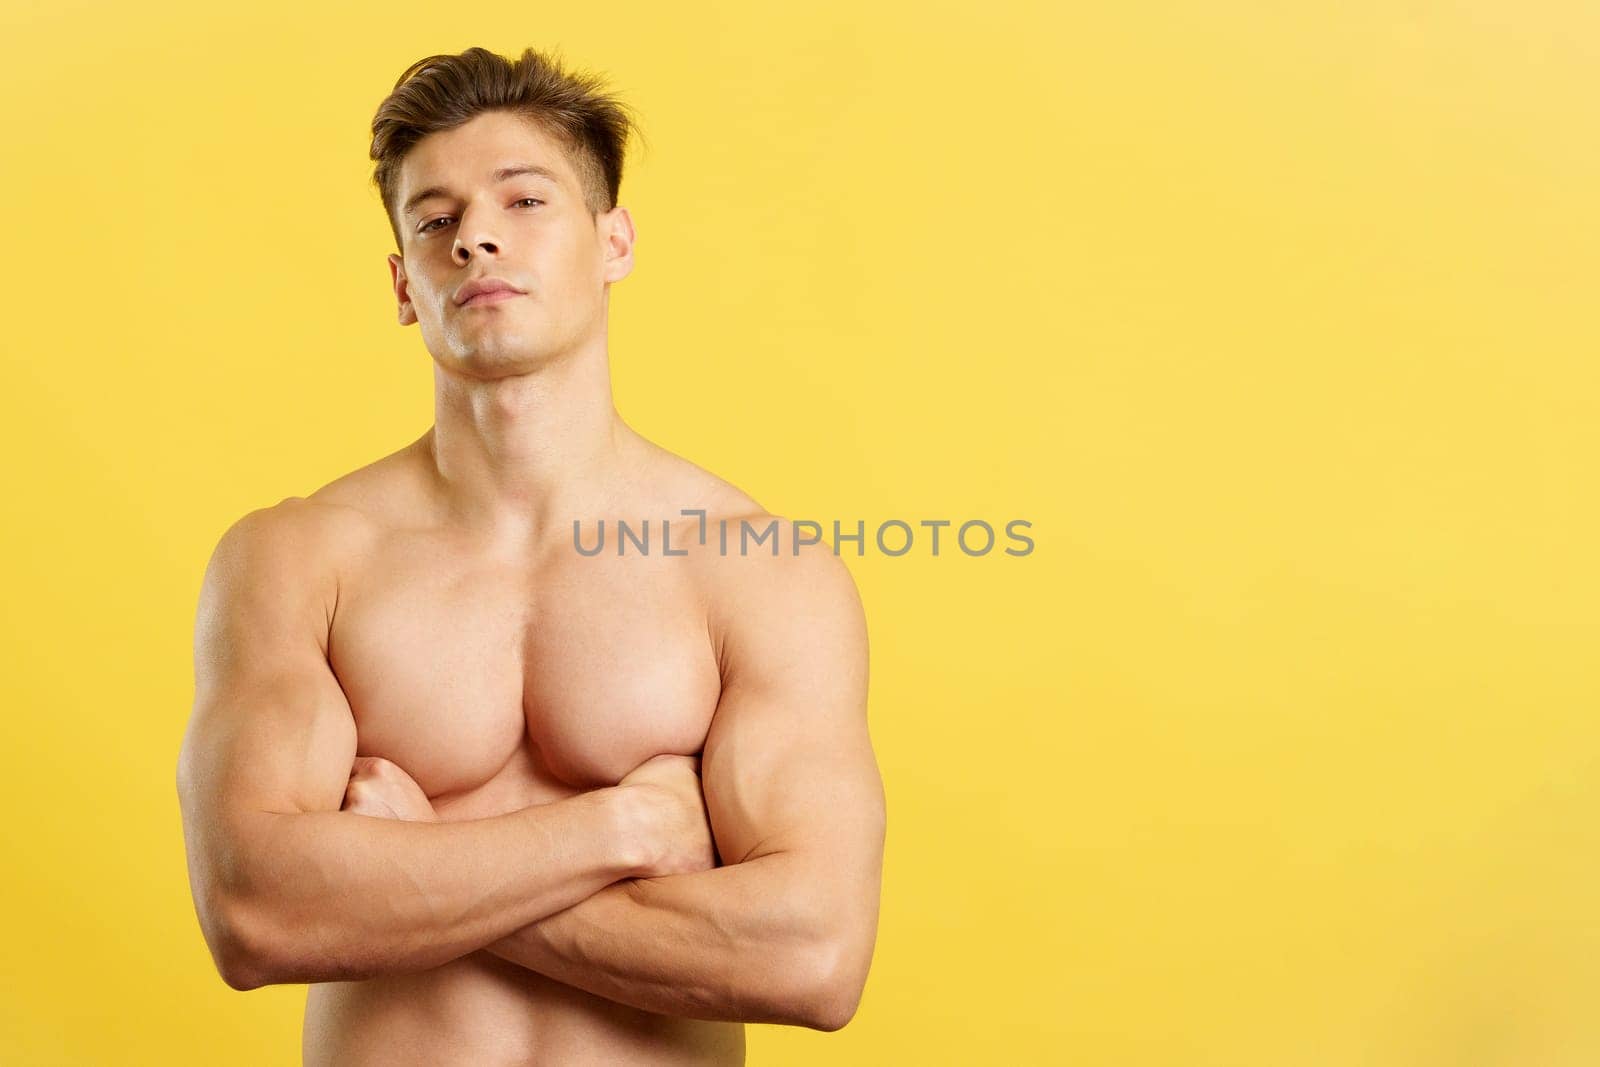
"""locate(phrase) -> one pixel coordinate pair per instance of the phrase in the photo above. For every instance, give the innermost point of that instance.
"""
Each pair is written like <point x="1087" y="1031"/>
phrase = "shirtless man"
<point x="498" y="801"/>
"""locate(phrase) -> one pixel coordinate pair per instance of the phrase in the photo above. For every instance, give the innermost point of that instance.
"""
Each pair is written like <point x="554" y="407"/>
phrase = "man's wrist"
<point x="635" y="829"/>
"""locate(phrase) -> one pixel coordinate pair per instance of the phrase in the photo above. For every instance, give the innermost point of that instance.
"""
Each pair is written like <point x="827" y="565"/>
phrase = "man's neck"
<point x="517" y="457"/>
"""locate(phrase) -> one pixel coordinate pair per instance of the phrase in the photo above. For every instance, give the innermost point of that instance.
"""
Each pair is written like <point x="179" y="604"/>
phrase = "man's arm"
<point x="784" y="932"/>
<point x="287" y="887"/>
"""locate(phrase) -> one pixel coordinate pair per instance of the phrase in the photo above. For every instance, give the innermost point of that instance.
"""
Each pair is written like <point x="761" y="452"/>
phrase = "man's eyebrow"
<point x="516" y="170"/>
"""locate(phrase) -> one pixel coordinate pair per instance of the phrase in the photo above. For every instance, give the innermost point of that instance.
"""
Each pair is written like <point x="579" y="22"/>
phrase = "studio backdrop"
<point x="1270" y="326"/>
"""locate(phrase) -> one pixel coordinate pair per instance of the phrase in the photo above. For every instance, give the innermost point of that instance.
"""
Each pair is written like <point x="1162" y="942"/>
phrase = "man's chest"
<point x="497" y="685"/>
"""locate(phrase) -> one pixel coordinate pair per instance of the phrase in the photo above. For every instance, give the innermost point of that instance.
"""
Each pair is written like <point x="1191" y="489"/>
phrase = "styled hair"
<point x="443" y="92"/>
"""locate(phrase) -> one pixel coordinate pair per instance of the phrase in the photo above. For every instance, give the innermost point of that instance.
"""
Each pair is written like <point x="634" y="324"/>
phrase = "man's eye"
<point x="446" y="218"/>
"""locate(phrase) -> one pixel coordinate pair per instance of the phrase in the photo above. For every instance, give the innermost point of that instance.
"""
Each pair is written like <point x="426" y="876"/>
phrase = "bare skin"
<point x="497" y="802"/>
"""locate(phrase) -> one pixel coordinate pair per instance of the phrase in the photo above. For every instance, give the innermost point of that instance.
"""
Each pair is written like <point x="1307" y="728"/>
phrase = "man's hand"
<point x="382" y="790"/>
<point x="670" y="785"/>
<point x="672" y="808"/>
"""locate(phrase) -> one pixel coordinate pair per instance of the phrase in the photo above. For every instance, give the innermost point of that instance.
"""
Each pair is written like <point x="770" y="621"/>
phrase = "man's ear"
<point x="397" y="274"/>
<point x="616" y="243"/>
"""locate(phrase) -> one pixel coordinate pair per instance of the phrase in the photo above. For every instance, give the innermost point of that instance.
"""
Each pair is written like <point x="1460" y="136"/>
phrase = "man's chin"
<point x="493" y="361"/>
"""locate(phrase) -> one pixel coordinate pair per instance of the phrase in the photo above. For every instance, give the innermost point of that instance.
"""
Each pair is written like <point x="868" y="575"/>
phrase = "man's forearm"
<point x="332" y="895"/>
<point x="740" y="943"/>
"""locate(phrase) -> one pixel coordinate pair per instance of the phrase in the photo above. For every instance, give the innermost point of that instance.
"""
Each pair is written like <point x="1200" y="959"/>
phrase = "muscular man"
<point x="500" y="801"/>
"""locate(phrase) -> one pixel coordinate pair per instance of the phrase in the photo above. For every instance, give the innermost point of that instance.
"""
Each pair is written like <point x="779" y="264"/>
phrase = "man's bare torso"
<point x="501" y="673"/>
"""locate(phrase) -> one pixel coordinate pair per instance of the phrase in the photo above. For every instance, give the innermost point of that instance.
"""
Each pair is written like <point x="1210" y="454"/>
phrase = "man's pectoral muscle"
<point x="288" y="887"/>
<point x="784" y="931"/>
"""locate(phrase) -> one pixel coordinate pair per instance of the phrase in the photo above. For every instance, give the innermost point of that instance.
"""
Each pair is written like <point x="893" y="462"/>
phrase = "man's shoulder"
<point x="678" y="484"/>
<point x="305" y="522"/>
<point x="296" y="540"/>
<point x="767" y="579"/>
<point x="377" y="494"/>
<point x="310" y="536"/>
<point x="755" y="568"/>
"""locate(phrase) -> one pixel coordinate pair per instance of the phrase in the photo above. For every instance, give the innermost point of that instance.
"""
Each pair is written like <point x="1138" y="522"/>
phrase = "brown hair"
<point x="443" y="92"/>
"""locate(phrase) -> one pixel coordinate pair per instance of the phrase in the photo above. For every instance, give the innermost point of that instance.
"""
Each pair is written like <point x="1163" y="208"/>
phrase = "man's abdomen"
<point x="482" y="1010"/>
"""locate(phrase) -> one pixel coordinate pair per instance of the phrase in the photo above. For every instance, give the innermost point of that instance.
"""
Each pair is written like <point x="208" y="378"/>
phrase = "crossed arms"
<point x="289" y="888"/>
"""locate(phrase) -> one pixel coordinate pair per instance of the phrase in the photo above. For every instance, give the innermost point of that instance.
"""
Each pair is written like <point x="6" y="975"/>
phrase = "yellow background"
<point x="1275" y="319"/>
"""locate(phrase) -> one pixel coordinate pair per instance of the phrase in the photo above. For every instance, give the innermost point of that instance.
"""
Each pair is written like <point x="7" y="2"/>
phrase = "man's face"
<point x="473" y="204"/>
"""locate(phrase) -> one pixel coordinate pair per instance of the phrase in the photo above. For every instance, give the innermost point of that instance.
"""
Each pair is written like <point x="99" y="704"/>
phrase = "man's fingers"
<point x="372" y="767"/>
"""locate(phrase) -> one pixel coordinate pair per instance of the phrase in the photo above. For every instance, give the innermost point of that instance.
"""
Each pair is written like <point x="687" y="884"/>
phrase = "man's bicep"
<point x="788" y="763"/>
<point x="271" y="730"/>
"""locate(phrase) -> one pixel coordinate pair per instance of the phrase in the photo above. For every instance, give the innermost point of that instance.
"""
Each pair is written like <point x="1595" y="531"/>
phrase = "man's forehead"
<point x="440" y="163"/>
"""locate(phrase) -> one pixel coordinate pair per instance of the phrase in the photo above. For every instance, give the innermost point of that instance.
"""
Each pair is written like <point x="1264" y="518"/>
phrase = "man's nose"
<point x="474" y="236"/>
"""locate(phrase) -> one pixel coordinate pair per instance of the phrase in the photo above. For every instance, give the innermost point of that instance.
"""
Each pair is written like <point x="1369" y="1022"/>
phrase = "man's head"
<point x="490" y="168"/>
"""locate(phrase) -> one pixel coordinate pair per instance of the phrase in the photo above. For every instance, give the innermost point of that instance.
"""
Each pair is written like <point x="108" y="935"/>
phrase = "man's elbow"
<point x="253" y="947"/>
<point x="832" y="1009"/>
<point x="240" y="973"/>
<point x="235" y="947"/>
<point x="835" y="977"/>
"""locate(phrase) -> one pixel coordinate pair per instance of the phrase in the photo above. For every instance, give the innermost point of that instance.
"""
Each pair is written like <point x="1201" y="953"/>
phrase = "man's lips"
<point x="492" y="297"/>
<point x="478" y="290"/>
